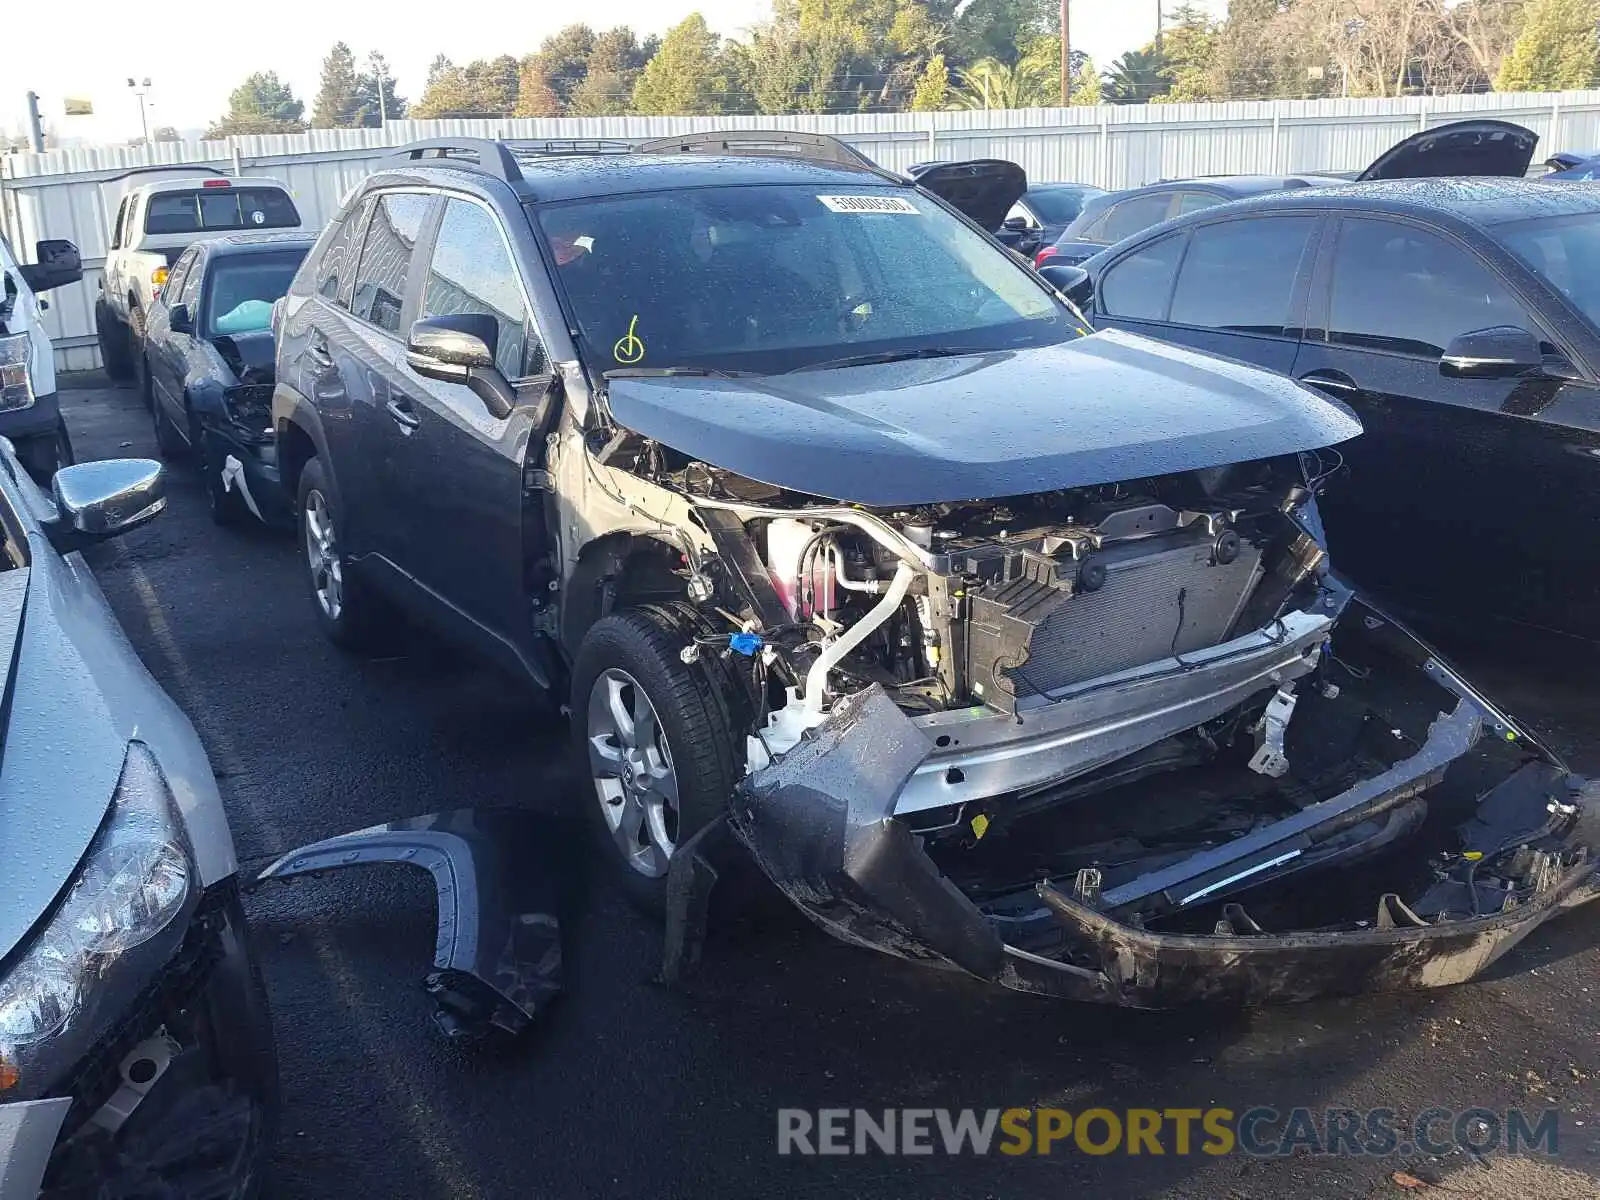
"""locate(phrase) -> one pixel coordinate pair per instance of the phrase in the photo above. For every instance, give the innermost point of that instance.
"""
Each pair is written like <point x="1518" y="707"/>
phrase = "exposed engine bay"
<point x="1055" y="739"/>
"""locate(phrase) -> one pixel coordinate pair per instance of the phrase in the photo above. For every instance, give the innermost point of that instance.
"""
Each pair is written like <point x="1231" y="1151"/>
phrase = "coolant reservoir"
<point x="786" y="539"/>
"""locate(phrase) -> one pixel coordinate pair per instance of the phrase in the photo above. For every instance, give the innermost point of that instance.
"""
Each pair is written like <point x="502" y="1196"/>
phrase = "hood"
<point x="247" y="353"/>
<point x="59" y="761"/>
<point x="983" y="188"/>
<point x="1105" y="408"/>
<point x="1478" y="147"/>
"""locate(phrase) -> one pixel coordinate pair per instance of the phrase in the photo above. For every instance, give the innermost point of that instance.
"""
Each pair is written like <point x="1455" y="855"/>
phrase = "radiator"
<point x="1158" y="599"/>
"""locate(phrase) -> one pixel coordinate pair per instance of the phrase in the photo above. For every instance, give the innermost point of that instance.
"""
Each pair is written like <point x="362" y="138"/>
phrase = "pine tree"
<point x="337" y="98"/>
<point x="1556" y="50"/>
<point x="933" y="86"/>
<point x="263" y="103"/>
<point x="685" y="77"/>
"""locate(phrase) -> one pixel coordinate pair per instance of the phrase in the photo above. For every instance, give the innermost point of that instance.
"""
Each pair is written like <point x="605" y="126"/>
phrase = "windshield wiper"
<point x="668" y="372"/>
<point x="889" y="356"/>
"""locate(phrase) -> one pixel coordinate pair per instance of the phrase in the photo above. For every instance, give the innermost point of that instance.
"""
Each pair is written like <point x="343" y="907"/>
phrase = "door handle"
<point x="400" y="410"/>
<point x="318" y="353"/>
<point x="1336" y="382"/>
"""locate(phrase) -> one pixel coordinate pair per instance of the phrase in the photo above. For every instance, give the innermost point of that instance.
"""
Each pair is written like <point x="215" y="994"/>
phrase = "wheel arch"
<point x="617" y="571"/>
<point x="299" y="440"/>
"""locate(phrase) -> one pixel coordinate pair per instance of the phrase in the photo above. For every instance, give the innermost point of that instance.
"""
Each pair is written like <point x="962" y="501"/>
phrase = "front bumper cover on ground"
<point x="820" y="822"/>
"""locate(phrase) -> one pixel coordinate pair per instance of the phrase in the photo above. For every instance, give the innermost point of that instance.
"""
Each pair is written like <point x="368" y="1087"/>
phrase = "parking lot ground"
<point x="634" y="1090"/>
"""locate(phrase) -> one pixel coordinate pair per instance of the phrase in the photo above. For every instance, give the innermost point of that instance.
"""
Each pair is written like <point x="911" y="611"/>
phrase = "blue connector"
<point x="747" y="644"/>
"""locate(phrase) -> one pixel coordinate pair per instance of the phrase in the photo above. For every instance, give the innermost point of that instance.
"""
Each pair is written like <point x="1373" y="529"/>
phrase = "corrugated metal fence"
<point x="65" y="193"/>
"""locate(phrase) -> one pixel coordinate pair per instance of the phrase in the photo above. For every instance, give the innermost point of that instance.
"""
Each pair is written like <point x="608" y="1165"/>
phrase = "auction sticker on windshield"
<point x="869" y="204"/>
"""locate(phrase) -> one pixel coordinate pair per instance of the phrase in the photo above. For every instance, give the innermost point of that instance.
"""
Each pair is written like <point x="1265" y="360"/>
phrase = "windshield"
<point x="1566" y="251"/>
<point x="770" y="279"/>
<point x="242" y="289"/>
<point x="1058" y="206"/>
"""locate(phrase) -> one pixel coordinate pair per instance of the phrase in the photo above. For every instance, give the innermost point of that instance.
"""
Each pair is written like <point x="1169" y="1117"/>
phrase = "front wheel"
<point x="660" y="742"/>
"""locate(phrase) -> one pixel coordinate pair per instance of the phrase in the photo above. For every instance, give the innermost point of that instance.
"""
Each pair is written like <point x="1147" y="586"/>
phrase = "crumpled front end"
<point x="1400" y="832"/>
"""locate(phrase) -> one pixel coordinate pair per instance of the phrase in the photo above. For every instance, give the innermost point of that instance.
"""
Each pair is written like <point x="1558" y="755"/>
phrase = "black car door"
<point x="166" y="349"/>
<point x="1462" y="493"/>
<point x="452" y="471"/>
<point x="375" y="392"/>
<point x="1234" y="287"/>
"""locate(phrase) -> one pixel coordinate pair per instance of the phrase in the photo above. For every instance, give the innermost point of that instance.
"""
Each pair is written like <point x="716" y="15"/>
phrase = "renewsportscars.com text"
<point x="1260" y="1132"/>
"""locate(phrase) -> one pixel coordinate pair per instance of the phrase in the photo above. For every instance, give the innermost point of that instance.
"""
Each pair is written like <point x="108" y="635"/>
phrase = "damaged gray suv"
<point x="996" y="643"/>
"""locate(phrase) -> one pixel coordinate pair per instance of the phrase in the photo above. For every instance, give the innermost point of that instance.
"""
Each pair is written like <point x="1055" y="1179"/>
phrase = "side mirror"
<point x="179" y="320"/>
<point x="460" y="349"/>
<point x="59" y="264"/>
<point x="1072" y="282"/>
<point x="1017" y="224"/>
<point x="1499" y="352"/>
<point x="99" y="500"/>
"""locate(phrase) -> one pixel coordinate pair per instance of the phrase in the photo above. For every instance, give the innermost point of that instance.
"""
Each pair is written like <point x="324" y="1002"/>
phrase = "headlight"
<point x="117" y="921"/>
<point x="16" y="384"/>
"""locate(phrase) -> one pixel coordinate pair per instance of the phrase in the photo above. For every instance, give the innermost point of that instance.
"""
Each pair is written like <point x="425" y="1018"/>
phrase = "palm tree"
<point x="1136" y="77"/>
<point x="990" y="83"/>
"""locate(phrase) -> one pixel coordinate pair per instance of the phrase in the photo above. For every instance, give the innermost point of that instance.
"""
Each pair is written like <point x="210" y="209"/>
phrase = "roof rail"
<point x="484" y="154"/>
<point x="558" y="146"/>
<point x="770" y="143"/>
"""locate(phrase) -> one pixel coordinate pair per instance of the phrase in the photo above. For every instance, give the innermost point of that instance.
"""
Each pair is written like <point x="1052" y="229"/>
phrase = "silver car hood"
<point x="59" y="759"/>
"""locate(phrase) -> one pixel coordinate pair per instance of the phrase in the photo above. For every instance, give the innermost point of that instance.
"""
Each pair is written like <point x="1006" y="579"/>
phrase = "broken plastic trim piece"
<point x="497" y="957"/>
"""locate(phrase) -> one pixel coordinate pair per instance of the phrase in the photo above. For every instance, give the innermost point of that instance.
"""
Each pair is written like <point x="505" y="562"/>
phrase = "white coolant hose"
<point x="817" y="676"/>
<point x="871" y="586"/>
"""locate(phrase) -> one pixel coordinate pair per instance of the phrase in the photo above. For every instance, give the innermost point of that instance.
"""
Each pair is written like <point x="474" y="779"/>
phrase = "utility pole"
<point x="1158" y="28"/>
<point x="35" y="124"/>
<point x="139" y="90"/>
<point x="1066" y="58"/>
<point x="383" y="104"/>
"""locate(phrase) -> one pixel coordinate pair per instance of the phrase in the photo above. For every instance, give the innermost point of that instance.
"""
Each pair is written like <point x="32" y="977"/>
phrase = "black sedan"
<point x="1460" y="319"/>
<point x="207" y="371"/>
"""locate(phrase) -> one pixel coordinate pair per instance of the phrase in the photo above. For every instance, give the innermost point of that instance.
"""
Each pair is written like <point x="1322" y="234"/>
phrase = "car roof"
<point x="1483" y="201"/>
<point x="1064" y="187"/>
<point x="556" y="178"/>
<point x="252" y="243"/>
<point x="1244" y="185"/>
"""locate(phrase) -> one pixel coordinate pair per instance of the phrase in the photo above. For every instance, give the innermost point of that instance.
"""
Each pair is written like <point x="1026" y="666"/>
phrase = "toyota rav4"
<point x="996" y="642"/>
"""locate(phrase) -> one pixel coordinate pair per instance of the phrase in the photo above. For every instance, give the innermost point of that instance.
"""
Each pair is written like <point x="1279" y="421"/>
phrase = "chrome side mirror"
<point x="99" y="500"/>
<point x="460" y="348"/>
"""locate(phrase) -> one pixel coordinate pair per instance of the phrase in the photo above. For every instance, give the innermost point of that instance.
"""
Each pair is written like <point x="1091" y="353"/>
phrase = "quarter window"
<point x="386" y="258"/>
<point x="119" y="227"/>
<point x="1240" y="275"/>
<point x="1404" y="289"/>
<point x="472" y="272"/>
<point x="341" y="244"/>
<point x="1132" y="216"/>
<point x="1138" y="285"/>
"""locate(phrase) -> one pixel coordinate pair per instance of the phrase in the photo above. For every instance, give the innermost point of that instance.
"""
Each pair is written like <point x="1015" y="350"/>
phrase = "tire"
<point x="350" y="615"/>
<point x="632" y="658"/>
<point x="114" y="343"/>
<point x="226" y="505"/>
<point x="169" y="442"/>
<point x="46" y="454"/>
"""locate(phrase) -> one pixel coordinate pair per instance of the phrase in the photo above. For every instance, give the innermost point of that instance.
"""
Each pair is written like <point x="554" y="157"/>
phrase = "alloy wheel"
<point x="322" y="555"/>
<point x="634" y="779"/>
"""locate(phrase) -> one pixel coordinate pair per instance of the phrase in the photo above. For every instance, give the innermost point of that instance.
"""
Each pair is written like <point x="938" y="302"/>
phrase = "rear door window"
<point x="1240" y="275"/>
<point x="1138" y="285"/>
<point x="392" y="235"/>
<point x="220" y="208"/>
<point x="1404" y="289"/>
<point x="1189" y="202"/>
<point x="180" y="271"/>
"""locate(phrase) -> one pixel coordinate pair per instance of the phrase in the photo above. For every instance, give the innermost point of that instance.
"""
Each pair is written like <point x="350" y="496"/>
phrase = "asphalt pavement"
<point x="633" y="1089"/>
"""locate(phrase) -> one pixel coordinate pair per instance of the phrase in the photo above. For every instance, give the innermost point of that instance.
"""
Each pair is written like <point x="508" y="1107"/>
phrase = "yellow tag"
<point x="980" y="826"/>
<point x="1473" y="855"/>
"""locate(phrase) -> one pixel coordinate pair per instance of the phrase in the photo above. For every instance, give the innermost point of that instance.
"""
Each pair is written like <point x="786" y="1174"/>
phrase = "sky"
<point x="90" y="48"/>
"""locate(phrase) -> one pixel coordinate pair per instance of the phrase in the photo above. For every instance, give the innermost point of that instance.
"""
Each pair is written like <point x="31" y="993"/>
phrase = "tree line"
<point x="833" y="56"/>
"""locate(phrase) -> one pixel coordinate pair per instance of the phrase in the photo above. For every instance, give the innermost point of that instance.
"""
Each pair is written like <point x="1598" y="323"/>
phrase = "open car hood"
<point x="1476" y="147"/>
<point x="982" y="188"/>
<point x="1100" y="409"/>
